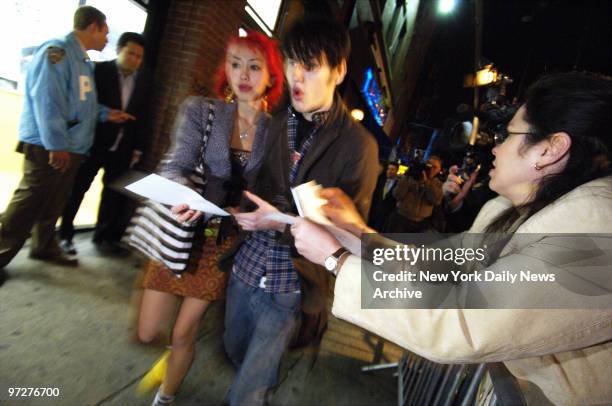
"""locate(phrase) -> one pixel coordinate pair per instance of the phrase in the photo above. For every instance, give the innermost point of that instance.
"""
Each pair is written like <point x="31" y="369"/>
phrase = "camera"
<point x="470" y="162"/>
<point x="416" y="164"/>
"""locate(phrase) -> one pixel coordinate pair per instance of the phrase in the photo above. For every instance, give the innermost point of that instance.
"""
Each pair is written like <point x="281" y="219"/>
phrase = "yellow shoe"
<point x="155" y="376"/>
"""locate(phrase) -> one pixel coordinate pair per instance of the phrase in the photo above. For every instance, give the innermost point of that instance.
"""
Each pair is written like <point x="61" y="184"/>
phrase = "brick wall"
<point x="191" y="48"/>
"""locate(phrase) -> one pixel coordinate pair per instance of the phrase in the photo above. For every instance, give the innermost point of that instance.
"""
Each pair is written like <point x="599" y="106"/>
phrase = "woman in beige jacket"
<point x="553" y="176"/>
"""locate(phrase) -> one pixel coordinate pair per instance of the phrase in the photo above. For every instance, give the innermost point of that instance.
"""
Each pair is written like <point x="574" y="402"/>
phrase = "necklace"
<point x="244" y="134"/>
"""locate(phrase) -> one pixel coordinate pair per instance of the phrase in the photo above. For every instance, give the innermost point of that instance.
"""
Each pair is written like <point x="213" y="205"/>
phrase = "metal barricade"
<point x="423" y="382"/>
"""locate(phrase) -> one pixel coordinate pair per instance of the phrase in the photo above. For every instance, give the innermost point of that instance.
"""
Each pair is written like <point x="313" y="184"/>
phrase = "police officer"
<point x="120" y="83"/>
<point x="56" y="130"/>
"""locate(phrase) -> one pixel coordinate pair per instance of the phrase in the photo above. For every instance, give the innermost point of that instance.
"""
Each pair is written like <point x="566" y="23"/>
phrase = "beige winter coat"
<point x="567" y="354"/>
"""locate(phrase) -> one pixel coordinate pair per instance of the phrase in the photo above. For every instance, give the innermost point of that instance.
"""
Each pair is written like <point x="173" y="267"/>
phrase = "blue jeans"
<point x="258" y="327"/>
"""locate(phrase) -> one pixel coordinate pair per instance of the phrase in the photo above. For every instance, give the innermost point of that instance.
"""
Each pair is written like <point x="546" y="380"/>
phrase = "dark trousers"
<point x="112" y="212"/>
<point x="379" y="216"/>
<point x="36" y="204"/>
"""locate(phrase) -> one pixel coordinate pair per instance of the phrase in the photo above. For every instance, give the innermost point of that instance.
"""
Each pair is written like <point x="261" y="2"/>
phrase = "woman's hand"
<point x="256" y="220"/>
<point x="342" y="211"/>
<point x="184" y="214"/>
<point x="313" y="241"/>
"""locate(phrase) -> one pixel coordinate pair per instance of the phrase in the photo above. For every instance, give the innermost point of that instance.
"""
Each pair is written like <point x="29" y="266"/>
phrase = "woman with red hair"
<point x="250" y="81"/>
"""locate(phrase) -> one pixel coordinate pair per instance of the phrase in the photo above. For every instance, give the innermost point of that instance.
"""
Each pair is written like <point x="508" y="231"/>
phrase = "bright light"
<point x="357" y="114"/>
<point x="486" y="76"/>
<point x="242" y="32"/>
<point x="446" y="6"/>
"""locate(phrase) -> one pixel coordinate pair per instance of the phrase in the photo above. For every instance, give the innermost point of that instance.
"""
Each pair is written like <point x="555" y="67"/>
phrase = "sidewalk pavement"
<point x="70" y="328"/>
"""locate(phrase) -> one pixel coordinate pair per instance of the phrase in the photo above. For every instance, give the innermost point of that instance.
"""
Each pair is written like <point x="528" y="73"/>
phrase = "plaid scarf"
<point x="292" y="129"/>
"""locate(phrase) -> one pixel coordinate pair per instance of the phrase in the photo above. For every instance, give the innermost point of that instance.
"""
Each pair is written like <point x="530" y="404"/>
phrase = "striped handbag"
<point x="154" y="230"/>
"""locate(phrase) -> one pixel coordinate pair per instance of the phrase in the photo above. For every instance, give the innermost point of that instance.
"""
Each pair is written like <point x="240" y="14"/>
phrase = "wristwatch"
<point x="331" y="262"/>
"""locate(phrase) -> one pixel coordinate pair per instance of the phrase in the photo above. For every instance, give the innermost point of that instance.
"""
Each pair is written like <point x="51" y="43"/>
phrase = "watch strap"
<point x="337" y="256"/>
<point x="339" y="253"/>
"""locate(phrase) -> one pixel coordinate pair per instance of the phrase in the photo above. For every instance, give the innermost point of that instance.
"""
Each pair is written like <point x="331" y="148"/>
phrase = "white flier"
<point x="165" y="191"/>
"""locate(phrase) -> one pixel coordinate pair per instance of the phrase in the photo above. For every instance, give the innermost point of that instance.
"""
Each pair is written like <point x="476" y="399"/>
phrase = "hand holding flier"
<point x="165" y="191"/>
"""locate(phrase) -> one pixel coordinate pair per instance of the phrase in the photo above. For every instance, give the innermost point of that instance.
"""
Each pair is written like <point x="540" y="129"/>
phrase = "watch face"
<point x="330" y="263"/>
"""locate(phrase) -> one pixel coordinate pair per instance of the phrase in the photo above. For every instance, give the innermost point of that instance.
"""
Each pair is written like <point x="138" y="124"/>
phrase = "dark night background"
<point x="524" y="39"/>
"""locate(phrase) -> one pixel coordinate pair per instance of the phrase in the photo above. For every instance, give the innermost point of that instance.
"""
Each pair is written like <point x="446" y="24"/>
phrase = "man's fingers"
<point x="59" y="160"/>
<point x="123" y="117"/>
<point x="254" y="198"/>
<point x="59" y="164"/>
<point x="233" y="210"/>
<point x="246" y="224"/>
<point x="248" y="221"/>
<point x="244" y="216"/>
<point x="119" y="116"/>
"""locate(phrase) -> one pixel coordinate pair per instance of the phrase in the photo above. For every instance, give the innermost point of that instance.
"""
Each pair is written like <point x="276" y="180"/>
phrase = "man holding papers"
<point x="315" y="139"/>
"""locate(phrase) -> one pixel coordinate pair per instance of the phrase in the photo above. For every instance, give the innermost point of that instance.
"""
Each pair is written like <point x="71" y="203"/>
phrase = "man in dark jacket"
<point x="116" y="148"/>
<point x="315" y="139"/>
<point x="383" y="201"/>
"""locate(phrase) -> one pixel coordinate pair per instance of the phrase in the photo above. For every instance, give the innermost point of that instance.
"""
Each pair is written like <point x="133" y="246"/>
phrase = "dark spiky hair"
<point x="317" y="39"/>
<point x="134" y="37"/>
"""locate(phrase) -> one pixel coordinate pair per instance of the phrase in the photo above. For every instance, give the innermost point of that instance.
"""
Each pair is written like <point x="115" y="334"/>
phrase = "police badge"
<point x="55" y="54"/>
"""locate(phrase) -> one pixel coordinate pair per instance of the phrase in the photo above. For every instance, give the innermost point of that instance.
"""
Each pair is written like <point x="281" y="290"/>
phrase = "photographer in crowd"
<point x="416" y="193"/>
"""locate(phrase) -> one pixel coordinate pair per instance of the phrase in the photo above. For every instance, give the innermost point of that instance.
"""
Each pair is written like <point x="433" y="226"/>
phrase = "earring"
<point x="264" y="103"/>
<point x="229" y="94"/>
<point x="537" y="167"/>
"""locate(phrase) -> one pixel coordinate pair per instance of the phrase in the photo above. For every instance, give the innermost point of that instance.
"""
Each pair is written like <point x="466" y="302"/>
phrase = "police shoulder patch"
<point x="55" y="54"/>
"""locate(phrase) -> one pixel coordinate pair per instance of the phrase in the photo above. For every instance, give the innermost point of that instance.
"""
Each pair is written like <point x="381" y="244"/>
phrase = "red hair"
<point x="269" y="49"/>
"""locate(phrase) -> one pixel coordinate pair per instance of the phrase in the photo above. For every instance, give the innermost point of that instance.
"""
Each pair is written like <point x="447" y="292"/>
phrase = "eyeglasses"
<point x="502" y="134"/>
